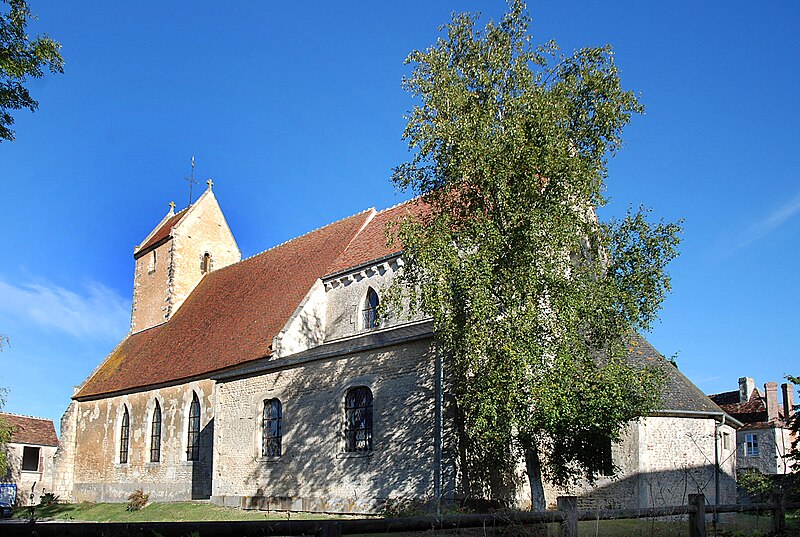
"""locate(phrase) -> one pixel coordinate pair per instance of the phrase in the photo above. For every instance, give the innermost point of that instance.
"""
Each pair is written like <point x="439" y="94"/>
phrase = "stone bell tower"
<point x="182" y="249"/>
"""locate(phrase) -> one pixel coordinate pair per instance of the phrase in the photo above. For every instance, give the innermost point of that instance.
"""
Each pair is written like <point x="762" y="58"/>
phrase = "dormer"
<point x="183" y="248"/>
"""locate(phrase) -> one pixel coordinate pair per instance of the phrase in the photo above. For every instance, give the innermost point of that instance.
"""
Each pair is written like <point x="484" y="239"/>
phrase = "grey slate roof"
<point x="679" y="394"/>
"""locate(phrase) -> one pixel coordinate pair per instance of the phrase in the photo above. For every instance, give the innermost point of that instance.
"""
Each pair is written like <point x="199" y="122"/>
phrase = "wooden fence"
<point x="567" y="515"/>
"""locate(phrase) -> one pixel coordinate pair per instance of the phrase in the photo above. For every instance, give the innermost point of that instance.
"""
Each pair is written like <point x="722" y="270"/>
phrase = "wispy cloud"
<point x="769" y="224"/>
<point x="95" y="312"/>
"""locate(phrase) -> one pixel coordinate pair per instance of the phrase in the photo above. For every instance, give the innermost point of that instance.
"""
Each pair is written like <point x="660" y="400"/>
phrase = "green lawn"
<point x="738" y="525"/>
<point x="155" y="512"/>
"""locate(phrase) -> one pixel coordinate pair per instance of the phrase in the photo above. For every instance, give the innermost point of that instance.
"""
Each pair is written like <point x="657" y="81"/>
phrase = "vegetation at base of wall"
<point x="156" y="512"/>
<point x="137" y="500"/>
<point x="535" y="302"/>
<point x="757" y="485"/>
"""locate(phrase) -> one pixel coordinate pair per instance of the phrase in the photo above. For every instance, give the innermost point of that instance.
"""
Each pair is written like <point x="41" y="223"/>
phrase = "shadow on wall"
<point x="659" y="489"/>
<point x="314" y="471"/>
<point x="203" y="467"/>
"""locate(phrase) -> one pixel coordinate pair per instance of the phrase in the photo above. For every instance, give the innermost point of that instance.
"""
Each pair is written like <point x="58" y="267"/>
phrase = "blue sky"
<point x="296" y="111"/>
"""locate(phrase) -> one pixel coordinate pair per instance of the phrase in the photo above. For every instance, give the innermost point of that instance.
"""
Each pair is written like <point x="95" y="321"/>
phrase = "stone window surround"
<point x="751" y="447"/>
<point x="121" y="406"/>
<point x="257" y="411"/>
<point x="183" y="428"/>
<point x="368" y="381"/>
<point x="151" y="406"/>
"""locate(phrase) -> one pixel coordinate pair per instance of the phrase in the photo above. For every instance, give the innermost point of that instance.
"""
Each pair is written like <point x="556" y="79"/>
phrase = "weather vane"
<point x="191" y="182"/>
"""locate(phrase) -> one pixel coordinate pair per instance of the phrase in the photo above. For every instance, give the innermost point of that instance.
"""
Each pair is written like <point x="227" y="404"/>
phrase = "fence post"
<point x="568" y="504"/>
<point x="778" y="512"/>
<point x="697" y="519"/>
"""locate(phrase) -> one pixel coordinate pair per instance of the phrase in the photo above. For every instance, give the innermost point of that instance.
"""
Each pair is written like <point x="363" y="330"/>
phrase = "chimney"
<point x="771" y="397"/>
<point x="746" y="386"/>
<point x="788" y="400"/>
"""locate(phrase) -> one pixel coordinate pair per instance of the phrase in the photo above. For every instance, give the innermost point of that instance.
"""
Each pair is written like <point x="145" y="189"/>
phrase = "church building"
<point x="272" y="383"/>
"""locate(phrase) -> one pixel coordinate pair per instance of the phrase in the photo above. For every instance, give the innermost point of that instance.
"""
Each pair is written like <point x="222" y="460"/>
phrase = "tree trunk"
<point x="533" y="466"/>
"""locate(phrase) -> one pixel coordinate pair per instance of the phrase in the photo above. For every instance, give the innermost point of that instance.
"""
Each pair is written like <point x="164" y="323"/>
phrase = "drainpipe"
<point x="717" y="434"/>
<point x="437" y="435"/>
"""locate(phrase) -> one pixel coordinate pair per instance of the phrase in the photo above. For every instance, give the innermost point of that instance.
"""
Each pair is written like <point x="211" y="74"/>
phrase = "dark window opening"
<point x="358" y="419"/>
<point x="193" y="444"/>
<point x="607" y="459"/>
<point x="205" y="265"/>
<point x="271" y="428"/>
<point x="30" y="459"/>
<point x="155" y="435"/>
<point x="124" y="436"/>
<point x="371" y="310"/>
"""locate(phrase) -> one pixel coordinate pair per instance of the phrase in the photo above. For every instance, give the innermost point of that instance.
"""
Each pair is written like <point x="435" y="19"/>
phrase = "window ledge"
<point x="152" y="464"/>
<point x="269" y="460"/>
<point x="355" y="454"/>
<point x="37" y="471"/>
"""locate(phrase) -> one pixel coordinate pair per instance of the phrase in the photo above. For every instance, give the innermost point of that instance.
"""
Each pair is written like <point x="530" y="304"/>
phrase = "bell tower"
<point x="183" y="248"/>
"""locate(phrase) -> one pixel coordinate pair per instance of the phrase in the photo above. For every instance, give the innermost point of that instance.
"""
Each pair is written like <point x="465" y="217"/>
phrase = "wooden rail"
<point x="567" y="515"/>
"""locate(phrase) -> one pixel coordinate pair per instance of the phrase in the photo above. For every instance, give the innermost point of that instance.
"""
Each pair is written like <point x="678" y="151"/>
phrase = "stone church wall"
<point x="314" y="473"/>
<point x="150" y="285"/>
<point x="99" y="476"/>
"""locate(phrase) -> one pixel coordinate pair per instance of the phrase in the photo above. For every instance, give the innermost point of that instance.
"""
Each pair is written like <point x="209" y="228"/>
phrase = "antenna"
<point x="191" y="182"/>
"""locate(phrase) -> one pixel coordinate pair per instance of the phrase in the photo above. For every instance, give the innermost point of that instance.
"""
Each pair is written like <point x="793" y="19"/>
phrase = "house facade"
<point x="764" y="440"/>
<point x="29" y="455"/>
<point x="272" y="383"/>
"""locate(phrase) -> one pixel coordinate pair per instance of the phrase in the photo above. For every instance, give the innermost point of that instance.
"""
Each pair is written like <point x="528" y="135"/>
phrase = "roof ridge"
<point x="396" y="205"/>
<point x="296" y="238"/>
<point x="25" y="416"/>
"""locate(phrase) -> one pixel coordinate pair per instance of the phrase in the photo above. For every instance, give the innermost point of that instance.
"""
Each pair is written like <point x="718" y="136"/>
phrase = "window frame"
<point x="355" y="422"/>
<point x="751" y="448"/>
<point x="124" y="436"/>
<point x="30" y="449"/>
<point x="193" y="430"/>
<point x="155" y="433"/>
<point x="272" y="429"/>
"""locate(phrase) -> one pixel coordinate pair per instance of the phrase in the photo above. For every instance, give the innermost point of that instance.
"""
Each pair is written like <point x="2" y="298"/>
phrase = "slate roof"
<point x="231" y="316"/>
<point x="752" y="413"/>
<point x="31" y="430"/>
<point x="679" y="394"/>
<point x="163" y="231"/>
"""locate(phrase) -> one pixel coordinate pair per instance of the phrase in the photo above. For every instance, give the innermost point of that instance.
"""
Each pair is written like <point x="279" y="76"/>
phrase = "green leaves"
<point x="532" y="298"/>
<point x="20" y="58"/>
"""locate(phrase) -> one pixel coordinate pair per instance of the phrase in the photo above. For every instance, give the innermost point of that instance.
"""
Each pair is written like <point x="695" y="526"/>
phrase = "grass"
<point x="738" y="525"/>
<point x="155" y="512"/>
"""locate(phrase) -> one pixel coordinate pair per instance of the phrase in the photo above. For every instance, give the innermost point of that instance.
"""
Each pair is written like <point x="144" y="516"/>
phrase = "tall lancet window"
<point x="193" y="444"/>
<point x="371" y="303"/>
<point x="205" y="264"/>
<point x="155" y="435"/>
<point x="272" y="428"/>
<point x="358" y="419"/>
<point x="124" y="436"/>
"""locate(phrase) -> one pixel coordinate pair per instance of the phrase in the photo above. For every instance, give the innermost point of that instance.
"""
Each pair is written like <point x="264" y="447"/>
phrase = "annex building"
<point x="269" y="382"/>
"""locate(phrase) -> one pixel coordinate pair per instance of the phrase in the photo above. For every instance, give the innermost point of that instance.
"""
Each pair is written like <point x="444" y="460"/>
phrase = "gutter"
<point x="720" y="416"/>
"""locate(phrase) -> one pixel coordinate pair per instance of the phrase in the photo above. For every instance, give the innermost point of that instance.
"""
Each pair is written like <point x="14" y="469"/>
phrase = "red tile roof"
<point x="30" y="430"/>
<point x="163" y="231"/>
<point x="752" y="413"/>
<point x="371" y="243"/>
<point x="231" y="316"/>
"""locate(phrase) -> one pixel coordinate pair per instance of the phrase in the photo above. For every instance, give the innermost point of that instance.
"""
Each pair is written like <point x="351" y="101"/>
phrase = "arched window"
<point x="358" y="419"/>
<point x="205" y="264"/>
<point x="124" y="436"/>
<point x="193" y="445"/>
<point x="271" y="428"/>
<point x="155" y="435"/>
<point x="371" y="310"/>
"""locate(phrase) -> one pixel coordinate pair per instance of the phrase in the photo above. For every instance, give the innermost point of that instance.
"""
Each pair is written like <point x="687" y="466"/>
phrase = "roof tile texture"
<point x="31" y="430"/>
<point x="230" y="318"/>
<point x="164" y="231"/>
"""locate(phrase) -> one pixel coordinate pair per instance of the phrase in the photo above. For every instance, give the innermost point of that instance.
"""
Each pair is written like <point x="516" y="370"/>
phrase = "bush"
<point x="137" y="500"/>
<point x="47" y="499"/>
<point x="757" y="485"/>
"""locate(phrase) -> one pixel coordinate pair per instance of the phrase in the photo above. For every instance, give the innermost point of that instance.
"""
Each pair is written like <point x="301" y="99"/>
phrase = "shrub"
<point x="401" y="507"/>
<point x="137" y="500"/>
<point x="47" y="499"/>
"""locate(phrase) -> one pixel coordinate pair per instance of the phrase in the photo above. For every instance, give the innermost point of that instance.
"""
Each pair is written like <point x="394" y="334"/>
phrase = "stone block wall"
<point x="314" y="473"/>
<point x="98" y="474"/>
<point x="773" y="445"/>
<point x="29" y="482"/>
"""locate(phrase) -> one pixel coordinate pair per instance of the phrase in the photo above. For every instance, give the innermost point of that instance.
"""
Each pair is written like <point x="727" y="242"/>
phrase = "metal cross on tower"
<point x="191" y="182"/>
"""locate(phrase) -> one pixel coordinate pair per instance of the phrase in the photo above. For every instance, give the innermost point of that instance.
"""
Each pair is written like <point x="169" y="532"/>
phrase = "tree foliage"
<point x="794" y="426"/>
<point x="21" y="57"/>
<point x="534" y="301"/>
